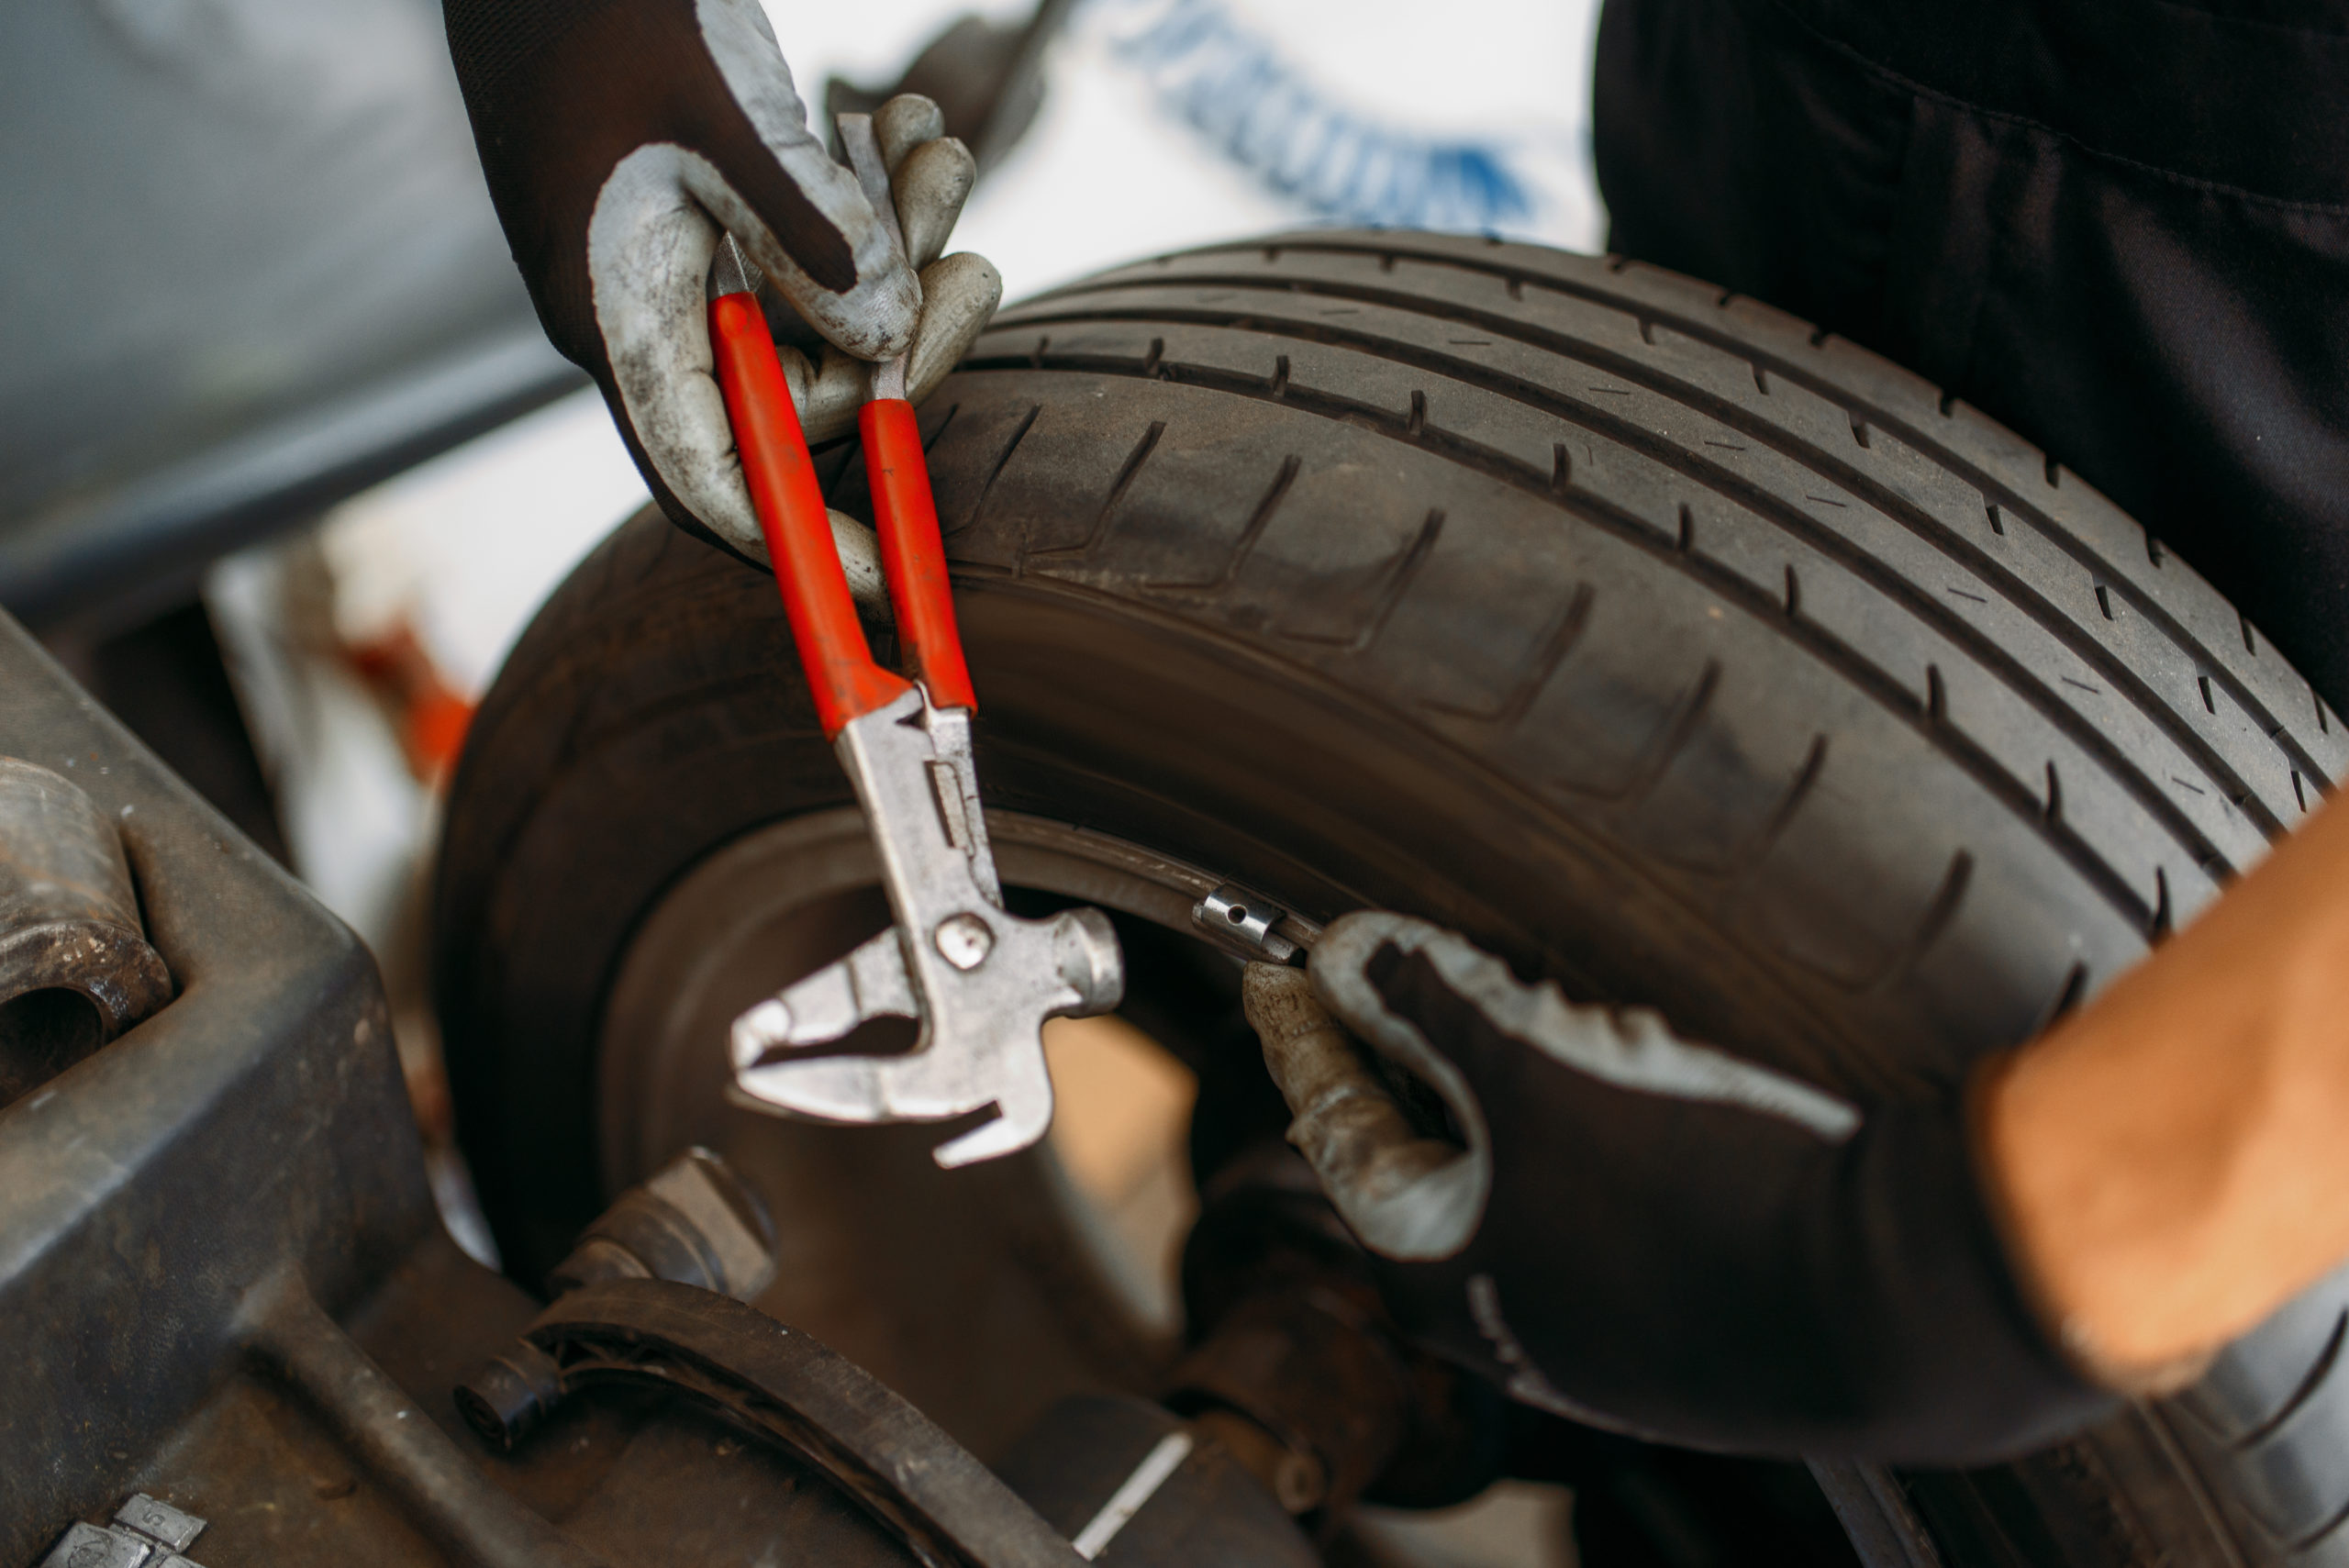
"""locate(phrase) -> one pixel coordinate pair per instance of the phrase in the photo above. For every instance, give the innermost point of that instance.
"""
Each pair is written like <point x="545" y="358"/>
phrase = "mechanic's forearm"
<point x="2173" y="1160"/>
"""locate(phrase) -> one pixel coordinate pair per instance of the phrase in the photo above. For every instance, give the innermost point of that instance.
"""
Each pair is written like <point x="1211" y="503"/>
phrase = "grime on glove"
<point x="622" y="138"/>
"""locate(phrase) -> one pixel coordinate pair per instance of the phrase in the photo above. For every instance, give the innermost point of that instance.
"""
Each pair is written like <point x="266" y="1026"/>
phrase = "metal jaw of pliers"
<point x="980" y="982"/>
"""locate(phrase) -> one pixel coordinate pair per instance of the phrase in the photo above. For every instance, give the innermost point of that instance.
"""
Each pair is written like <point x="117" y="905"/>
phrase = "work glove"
<point x="621" y="139"/>
<point x="1654" y="1236"/>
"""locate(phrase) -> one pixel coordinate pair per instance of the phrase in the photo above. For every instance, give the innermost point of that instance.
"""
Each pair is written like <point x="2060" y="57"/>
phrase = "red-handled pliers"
<point x="781" y="474"/>
<point x="980" y="982"/>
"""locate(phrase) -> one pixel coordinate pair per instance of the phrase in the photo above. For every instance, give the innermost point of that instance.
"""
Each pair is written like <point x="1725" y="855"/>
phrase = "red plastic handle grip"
<point x="912" y="553"/>
<point x="847" y="683"/>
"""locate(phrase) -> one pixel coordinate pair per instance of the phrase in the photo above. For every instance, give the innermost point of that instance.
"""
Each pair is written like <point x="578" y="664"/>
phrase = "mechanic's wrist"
<point x="2167" y="1161"/>
<point x="2002" y="1142"/>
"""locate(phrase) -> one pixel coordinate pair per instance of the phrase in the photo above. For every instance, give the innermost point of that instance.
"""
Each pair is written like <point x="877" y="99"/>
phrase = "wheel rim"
<point x="868" y="1217"/>
<point x="788" y="897"/>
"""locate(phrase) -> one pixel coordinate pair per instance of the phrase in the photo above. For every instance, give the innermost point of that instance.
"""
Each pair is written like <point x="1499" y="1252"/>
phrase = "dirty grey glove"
<point x="1657" y="1236"/>
<point x="620" y="138"/>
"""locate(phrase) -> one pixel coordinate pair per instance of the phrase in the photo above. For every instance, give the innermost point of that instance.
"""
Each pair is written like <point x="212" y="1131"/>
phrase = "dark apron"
<point x="2121" y="226"/>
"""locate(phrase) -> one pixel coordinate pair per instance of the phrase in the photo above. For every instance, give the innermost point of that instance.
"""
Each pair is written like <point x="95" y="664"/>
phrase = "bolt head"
<point x="964" y="941"/>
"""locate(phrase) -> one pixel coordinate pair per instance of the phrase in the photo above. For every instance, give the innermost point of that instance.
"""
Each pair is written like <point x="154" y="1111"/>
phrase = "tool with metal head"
<point x="979" y="980"/>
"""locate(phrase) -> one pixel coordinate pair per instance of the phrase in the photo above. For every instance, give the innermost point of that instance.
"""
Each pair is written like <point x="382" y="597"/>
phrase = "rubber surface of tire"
<point x="1643" y="633"/>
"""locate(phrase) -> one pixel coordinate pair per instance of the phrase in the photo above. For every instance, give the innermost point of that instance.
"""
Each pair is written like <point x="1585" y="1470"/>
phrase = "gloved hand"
<point x="1674" y="1242"/>
<point x="622" y="138"/>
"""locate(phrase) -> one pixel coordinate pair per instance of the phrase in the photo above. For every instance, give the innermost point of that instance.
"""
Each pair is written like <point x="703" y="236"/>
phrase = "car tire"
<point x="1667" y="646"/>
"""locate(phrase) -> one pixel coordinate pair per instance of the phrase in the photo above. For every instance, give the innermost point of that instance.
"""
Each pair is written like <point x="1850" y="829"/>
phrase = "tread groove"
<point x="1399" y="577"/>
<point x="1676" y="740"/>
<point x="996" y="471"/>
<point x="1938" y="915"/>
<point x="1246" y="542"/>
<point x="1904" y="513"/>
<point x="1118" y="487"/>
<point x="1406" y="573"/>
<point x="931" y="442"/>
<point x="1957" y="464"/>
<point x="2127" y="901"/>
<point x="1517" y="700"/>
<point x="2068" y="993"/>
<point x="1657" y="757"/>
<point x="1782" y="816"/>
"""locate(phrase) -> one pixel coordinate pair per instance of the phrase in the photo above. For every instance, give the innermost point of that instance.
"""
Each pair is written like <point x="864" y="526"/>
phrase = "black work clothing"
<point x="2121" y="226"/>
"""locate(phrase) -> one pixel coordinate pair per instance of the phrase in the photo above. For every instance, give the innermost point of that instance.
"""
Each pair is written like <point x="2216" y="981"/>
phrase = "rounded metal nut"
<point x="964" y="941"/>
<point x="695" y="1222"/>
<point x="75" y="966"/>
<point x="506" y="1400"/>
